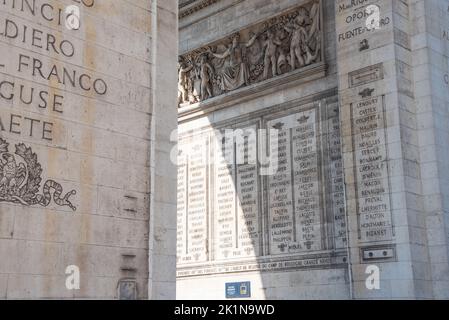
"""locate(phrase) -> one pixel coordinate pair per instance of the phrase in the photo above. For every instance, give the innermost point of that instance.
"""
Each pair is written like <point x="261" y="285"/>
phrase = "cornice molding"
<point x="188" y="7"/>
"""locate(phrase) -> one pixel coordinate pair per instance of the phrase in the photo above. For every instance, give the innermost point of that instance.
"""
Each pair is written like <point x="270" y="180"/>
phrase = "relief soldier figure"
<point x="289" y="42"/>
<point x="305" y="42"/>
<point x="195" y="85"/>
<point x="237" y="73"/>
<point x="182" y="82"/>
<point x="206" y="75"/>
<point x="298" y="39"/>
<point x="270" y="47"/>
<point x="314" y="39"/>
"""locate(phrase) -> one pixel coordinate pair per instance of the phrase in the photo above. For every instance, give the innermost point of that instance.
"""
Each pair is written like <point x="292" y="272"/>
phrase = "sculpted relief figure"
<point x="281" y="45"/>
<point x="314" y="38"/>
<point x="195" y="85"/>
<point x="206" y="74"/>
<point x="236" y="74"/>
<point x="304" y="43"/>
<point x="298" y="39"/>
<point x="270" y="45"/>
<point x="182" y="82"/>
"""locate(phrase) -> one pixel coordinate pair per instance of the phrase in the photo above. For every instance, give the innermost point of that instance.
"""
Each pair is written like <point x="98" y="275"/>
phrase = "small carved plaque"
<point x="366" y="75"/>
<point x="127" y="290"/>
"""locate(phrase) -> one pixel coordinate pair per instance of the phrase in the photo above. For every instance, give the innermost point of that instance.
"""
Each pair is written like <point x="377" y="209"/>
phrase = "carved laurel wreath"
<point x="20" y="183"/>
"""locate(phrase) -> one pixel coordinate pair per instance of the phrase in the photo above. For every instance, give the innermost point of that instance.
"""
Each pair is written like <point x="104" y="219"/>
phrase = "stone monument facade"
<point x="87" y="104"/>
<point x="312" y="149"/>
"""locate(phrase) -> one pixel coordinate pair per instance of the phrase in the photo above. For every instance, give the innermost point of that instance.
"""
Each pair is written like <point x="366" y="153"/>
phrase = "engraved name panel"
<point x="236" y="202"/>
<point x="294" y="200"/>
<point x="371" y="170"/>
<point x="193" y="177"/>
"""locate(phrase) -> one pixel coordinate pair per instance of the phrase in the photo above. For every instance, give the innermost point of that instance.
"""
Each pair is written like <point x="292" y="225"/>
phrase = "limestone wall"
<point x="80" y="114"/>
<point x="431" y="82"/>
<point x="371" y="143"/>
<point x="312" y="266"/>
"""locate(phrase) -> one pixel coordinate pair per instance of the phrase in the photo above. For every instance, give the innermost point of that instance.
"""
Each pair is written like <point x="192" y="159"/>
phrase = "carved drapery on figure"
<point x="281" y="45"/>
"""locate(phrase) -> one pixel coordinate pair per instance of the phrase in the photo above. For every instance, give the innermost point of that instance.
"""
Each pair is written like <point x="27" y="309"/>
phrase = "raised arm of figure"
<point x="183" y="70"/>
<point x="223" y="55"/>
<point x="252" y="40"/>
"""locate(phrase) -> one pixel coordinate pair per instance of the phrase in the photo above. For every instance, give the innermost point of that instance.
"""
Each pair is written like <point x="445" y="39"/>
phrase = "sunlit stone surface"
<point x="349" y="99"/>
<point x="87" y="104"/>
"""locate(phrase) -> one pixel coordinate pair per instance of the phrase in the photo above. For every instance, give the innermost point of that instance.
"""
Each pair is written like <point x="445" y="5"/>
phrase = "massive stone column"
<point x="87" y="103"/>
<point x="162" y="248"/>
<point x="391" y="145"/>
<point x="430" y="45"/>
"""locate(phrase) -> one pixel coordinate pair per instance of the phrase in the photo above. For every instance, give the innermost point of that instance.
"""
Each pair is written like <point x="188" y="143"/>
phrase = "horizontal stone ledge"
<point x="320" y="261"/>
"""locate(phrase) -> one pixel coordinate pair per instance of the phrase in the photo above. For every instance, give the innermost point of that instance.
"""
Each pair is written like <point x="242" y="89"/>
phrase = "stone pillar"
<point x="384" y="169"/>
<point x="87" y="105"/>
<point x="430" y="45"/>
<point x="162" y="245"/>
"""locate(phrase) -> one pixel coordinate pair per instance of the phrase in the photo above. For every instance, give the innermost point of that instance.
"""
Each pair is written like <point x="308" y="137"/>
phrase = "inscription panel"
<point x="335" y="204"/>
<point x="236" y="211"/>
<point x="193" y="206"/>
<point x="371" y="170"/>
<point x="294" y="191"/>
<point x="295" y="213"/>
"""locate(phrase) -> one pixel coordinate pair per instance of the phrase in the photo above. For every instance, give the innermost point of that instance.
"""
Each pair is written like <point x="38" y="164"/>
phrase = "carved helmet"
<point x="8" y="157"/>
<point x="303" y="17"/>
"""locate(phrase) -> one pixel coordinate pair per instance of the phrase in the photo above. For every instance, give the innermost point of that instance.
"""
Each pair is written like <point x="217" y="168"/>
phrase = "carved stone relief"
<point x="278" y="46"/>
<point x="20" y="179"/>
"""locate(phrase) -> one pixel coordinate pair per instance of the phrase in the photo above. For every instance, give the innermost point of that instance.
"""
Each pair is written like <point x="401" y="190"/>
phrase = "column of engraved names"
<point x="293" y="195"/>
<point x="197" y="202"/>
<point x="225" y="201"/>
<point x="337" y="196"/>
<point x="280" y="200"/>
<point x="236" y="223"/>
<point x="306" y="183"/>
<point x="248" y="229"/>
<point x="181" y="239"/>
<point x="371" y="166"/>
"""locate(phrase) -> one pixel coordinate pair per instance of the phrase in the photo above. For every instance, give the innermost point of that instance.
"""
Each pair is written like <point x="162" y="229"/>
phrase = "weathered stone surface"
<point x="359" y="151"/>
<point x="259" y="224"/>
<point x="80" y="110"/>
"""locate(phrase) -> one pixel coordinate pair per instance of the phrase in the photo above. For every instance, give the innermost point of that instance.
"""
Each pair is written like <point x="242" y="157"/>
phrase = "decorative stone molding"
<point x="281" y="45"/>
<point x="183" y="3"/>
<point x="189" y="7"/>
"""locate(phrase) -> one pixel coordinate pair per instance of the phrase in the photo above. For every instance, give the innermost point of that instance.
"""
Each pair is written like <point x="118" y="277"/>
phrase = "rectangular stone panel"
<point x="294" y="201"/>
<point x="193" y="200"/>
<point x="236" y="197"/>
<point x="371" y="170"/>
<point x="294" y="211"/>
